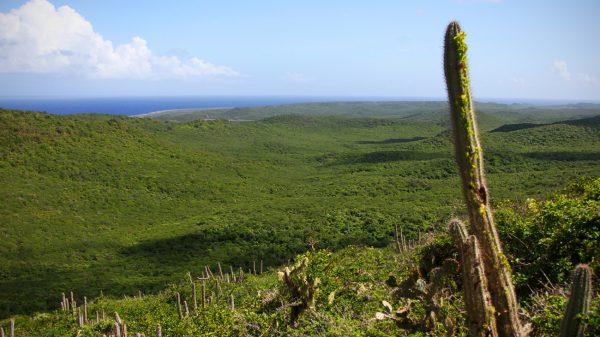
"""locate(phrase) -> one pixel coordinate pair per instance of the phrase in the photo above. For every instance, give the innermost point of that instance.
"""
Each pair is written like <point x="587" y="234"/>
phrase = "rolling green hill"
<point x="491" y="115"/>
<point x="94" y="202"/>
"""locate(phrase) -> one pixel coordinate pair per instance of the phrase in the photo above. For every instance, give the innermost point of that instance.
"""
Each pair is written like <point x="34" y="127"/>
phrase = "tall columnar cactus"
<point x="470" y="162"/>
<point x="579" y="303"/>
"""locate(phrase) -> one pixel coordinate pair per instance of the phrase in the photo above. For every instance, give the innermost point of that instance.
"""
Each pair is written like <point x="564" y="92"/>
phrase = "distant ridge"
<point x="590" y="121"/>
<point x="492" y="115"/>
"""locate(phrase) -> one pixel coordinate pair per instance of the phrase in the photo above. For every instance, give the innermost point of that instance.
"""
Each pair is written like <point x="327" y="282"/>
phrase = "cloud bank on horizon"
<point x="40" y="38"/>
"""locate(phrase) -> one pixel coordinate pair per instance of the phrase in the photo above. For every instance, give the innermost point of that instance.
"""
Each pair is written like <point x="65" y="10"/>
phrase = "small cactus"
<point x="85" y="310"/>
<point x="203" y="295"/>
<point x="302" y="286"/>
<point x="579" y="303"/>
<point x="117" y="329"/>
<point x="63" y="303"/>
<point x="179" y="312"/>
<point x="194" y="300"/>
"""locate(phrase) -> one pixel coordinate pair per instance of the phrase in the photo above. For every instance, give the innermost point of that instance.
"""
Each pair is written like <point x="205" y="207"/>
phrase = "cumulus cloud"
<point x="40" y="38"/>
<point x="562" y="70"/>
<point x="583" y="78"/>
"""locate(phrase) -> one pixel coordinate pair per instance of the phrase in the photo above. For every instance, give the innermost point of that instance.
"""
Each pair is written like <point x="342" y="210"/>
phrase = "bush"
<point x="545" y="240"/>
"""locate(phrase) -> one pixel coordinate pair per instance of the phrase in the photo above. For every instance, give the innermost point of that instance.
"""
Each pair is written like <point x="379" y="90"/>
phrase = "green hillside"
<point x="491" y="115"/>
<point x="93" y="202"/>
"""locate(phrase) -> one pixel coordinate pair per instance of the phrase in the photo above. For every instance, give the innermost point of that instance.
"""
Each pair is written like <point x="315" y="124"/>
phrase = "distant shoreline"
<point x="154" y="113"/>
<point x="139" y="105"/>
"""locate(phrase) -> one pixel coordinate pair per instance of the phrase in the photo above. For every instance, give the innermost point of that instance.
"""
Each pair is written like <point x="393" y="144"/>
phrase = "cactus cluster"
<point x="490" y="298"/>
<point x="432" y="292"/>
<point x="116" y="327"/>
<point x="302" y="286"/>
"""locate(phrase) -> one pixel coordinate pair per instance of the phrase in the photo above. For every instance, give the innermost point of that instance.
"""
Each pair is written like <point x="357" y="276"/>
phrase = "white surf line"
<point x="153" y="113"/>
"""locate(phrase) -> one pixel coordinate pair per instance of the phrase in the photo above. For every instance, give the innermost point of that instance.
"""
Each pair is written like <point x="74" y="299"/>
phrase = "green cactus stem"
<point x="85" y="310"/>
<point x="203" y="295"/>
<point x="194" y="300"/>
<point x="179" y="312"/>
<point x="470" y="162"/>
<point x="117" y="330"/>
<point x="579" y="303"/>
<point x="478" y="302"/>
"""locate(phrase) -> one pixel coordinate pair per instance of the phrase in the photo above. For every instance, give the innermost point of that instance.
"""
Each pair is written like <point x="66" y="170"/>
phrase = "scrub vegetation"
<point x="117" y="205"/>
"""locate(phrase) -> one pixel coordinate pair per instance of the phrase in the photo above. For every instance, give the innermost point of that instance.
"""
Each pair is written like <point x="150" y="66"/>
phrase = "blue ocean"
<point x="140" y="105"/>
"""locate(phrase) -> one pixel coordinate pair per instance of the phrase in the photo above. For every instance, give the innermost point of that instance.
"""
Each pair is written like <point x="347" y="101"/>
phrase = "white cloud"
<point x="587" y="78"/>
<point x="582" y="78"/>
<point x="40" y="38"/>
<point x="562" y="70"/>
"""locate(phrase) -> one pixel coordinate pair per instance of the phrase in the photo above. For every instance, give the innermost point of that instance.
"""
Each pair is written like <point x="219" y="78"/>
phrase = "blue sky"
<point x="518" y="48"/>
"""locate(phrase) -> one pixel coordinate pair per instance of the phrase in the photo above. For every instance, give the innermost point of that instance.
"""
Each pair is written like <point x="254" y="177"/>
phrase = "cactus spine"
<point x="579" y="303"/>
<point x="470" y="161"/>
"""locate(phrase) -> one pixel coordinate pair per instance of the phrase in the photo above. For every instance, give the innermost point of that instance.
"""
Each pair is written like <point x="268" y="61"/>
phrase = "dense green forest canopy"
<point x="97" y="202"/>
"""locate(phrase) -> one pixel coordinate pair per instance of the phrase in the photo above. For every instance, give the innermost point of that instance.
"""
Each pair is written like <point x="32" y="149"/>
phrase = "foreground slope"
<point x="360" y="291"/>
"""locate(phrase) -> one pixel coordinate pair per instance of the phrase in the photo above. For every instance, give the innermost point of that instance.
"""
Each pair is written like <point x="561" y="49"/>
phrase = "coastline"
<point x="182" y="110"/>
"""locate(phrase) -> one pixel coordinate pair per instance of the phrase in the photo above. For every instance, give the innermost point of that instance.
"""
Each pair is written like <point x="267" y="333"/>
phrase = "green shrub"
<point x="545" y="240"/>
